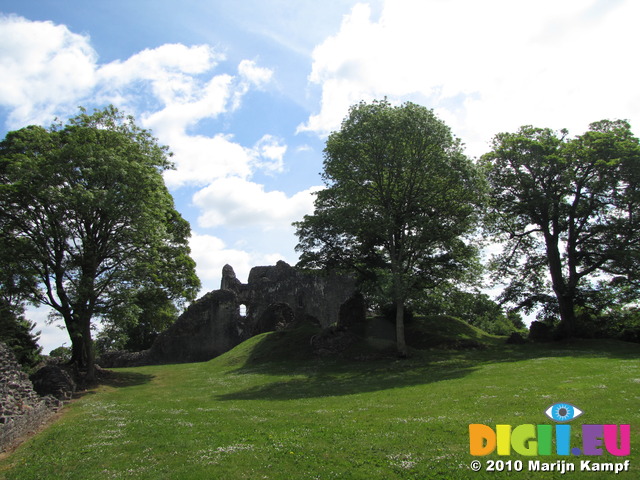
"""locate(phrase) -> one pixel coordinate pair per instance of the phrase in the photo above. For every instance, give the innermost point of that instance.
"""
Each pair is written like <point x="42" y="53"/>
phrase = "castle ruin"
<point x="274" y="297"/>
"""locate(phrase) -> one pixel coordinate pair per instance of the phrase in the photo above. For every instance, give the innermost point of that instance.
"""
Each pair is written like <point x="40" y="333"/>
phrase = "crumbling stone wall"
<point x="274" y="297"/>
<point x="209" y="327"/>
<point x="21" y="409"/>
<point x="311" y="296"/>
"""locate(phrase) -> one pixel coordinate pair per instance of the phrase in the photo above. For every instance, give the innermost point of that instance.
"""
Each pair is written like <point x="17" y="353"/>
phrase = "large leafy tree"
<point x="400" y="201"/>
<point x="87" y="202"/>
<point x="568" y="213"/>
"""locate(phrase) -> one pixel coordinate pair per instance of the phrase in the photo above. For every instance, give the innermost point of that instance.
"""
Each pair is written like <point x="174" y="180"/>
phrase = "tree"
<point x="16" y="332"/>
<point x="475" y="308"/>
<point x="16" y="282"/>
<point x="566" y="209"/>
<point x="400" y="201"/>
<point x="88" y="202"/>
<point x="137" y="321"/>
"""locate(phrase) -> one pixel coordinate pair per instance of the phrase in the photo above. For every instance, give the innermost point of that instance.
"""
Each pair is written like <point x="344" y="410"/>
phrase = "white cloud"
<point x="187" y="100"/>
<point x="44" y="68"/>
<point x="175" y="82"/>
<point x="236" y="202"/>
<point x="156" y="63"/>
<point x="253" y="74"/>
<point x="201" y="159"/>
<point x="211" y="254"/>
<point x="269" y="154"/>
<point x="484" y="66"/>
<point x="48" y="71"/>
<point x="170" y="69"/>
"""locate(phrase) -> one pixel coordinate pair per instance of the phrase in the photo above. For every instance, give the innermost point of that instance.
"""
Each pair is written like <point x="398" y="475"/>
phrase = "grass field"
<point x="240" y="416"/>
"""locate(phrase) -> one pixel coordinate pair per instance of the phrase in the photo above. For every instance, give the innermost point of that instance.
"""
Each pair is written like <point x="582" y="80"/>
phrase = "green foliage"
<point x="89" y="203"/>
<point x="136" y="322"/>
<point x="567" y="210"/>
<point x="388" y="311"/>
<point x="400" y="205"/>
<point x="475" y="308"/>
<point x="615" y="321"/>
<point x="61" y="353"/>
<point x="17" y="281"/>
<point x="16" y="332"/>
<point x="446" y="331"/>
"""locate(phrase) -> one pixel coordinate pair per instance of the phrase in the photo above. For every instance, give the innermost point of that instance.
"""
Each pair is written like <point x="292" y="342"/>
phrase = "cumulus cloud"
<point x="211" y="254"/>
<point x="238" y="202"/>
<point x="201" y="159"/>
<point x="484" y="67"/>
<point x="157" y="62"/>
<point x="176" y="81"/>
<point x="254" y="75"/>
<point x="48" y="70"/>
<point x="44" y="68"/>
<point x="174" y="73"/>
<point x="269" y="154"/>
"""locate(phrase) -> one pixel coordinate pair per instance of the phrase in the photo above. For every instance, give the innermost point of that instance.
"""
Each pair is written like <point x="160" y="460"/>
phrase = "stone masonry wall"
<point x="21" y="409"/>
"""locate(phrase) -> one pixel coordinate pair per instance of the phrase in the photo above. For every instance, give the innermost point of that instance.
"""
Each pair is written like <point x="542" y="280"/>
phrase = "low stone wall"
<point x="123" y="358"/>
<point x="22" y="410"/>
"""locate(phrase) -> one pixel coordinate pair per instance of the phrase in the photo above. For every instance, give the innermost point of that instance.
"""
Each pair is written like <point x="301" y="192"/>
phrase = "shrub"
<point x="540" y="332"/>
<point x="63" y="354"/>
<point x="388" y="311"/>
<point x="516" y="338"/>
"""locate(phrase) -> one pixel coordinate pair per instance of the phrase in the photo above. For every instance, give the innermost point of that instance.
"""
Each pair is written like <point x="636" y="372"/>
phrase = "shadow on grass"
<point x="125" y="379"/>
<point x="312" y="377"/>
<point x="114" y="379"/>
<point x="338" y="380"/>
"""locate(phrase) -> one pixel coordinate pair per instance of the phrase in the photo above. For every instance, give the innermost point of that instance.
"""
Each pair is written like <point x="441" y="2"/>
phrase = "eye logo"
<point x="563" y="412"/>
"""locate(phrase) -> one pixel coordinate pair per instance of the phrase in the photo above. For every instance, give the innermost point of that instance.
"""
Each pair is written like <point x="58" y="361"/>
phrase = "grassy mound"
<point x="376" y="339"/>
<point x="443" y="331"/>
<point x="281" y="346"/>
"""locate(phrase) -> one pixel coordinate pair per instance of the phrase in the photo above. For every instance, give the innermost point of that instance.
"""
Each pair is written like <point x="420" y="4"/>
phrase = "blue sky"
<point x="245" y="92"/>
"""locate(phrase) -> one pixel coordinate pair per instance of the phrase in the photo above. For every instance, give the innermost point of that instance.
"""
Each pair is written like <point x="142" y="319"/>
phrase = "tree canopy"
<point x="400" y="203"/>
<point x="88" y="204"/>
<point x="568" y="212"/>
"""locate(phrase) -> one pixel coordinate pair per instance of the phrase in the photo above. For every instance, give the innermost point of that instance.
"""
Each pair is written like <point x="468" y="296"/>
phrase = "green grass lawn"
<point x="297" y="417"/>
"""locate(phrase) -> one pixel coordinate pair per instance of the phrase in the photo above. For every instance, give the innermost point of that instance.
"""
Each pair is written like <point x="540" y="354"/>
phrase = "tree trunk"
<point x="400" y="340"/>
<point x="566" y="329"/>
<point x="75" y="334"/>
<point x="88" y="357"/>
<point x="564" y="293"/>
<point x="82" y="346"/>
